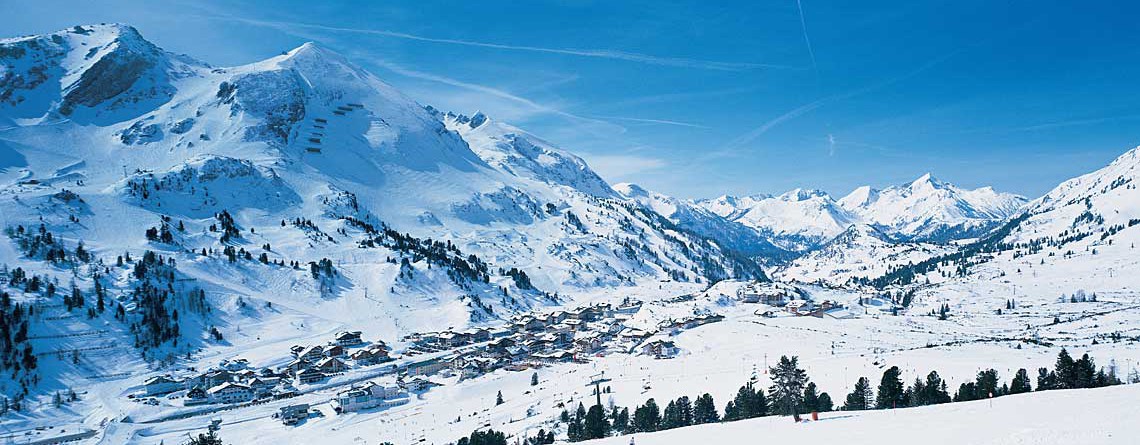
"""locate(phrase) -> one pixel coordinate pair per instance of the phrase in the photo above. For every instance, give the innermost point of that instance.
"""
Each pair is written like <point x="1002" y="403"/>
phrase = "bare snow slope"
<point x="861" y="251"/>
<point x="1092" y="416"/>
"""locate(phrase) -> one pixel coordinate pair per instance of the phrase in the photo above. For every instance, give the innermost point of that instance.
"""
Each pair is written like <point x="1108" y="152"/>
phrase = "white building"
<point x="368" y="395"/>
<point x="230" y="392"/>
<point x="161" y="385"/>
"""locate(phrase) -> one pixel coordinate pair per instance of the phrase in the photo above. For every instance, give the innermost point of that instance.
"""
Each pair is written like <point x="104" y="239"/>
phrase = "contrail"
<point x="597" y="53"/>
<point x="654" y="121"/>
<point x="810" y="106"/>
<point x="488" y="90"/>
<point x="803" y="26"/>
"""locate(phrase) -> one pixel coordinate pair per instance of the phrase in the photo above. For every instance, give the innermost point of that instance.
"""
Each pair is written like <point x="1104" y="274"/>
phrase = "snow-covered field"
<point x="1088" y="416"/>
<point x="718" y="358"/>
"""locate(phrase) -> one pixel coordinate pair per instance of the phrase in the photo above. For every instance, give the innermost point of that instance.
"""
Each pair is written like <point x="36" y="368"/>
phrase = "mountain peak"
<point x="802" y="194"/>
<point x="927" y="180"/>
<point x="312" y="52"/>
<point x="630" y="190"/>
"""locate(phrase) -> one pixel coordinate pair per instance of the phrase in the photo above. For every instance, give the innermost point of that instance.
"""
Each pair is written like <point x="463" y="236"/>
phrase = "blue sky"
<point x="698" y="99"/>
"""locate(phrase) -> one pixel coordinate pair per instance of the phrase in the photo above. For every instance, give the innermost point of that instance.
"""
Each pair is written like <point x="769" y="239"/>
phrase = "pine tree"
<point x="860" y="397"/>
<point x="210" y="438"/>
<point x="684" y="411"/>
<point x="499" y="398"/>
<point x="824" y="405"/>
<point x="916" y="393"/>
<point x="595" y="426"/>
<point x="985" y="385"/>
<point x="890" y="390"/>
<point x="1046" y="379"/>
<point x="704" y="410"/>
<point x="534" y="379"/>
<point x="647" y="418"/>
<point x="811" y="398"/>
<point x="1066" y="370"/>
<point x="787" y="389"/>
<point x="621" y="420"/>
<point x="670" y="418"/>
<point x="935" y="388"/>
<point x="1020" y="382"/>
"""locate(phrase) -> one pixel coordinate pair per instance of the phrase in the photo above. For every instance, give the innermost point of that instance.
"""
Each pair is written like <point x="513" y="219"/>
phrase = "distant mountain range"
<point x="924" y="210"/>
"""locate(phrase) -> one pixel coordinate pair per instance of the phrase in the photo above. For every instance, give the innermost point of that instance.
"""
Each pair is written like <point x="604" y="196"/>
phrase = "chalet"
<point x="419" y="384"/>
<point x="423" y="339"/>
<point x="347" y="339"/>
<point x="501" y="332"/>
<point x="293" y="414"/>
<point x="537" y="344"/>
<point x="583" y="314"/>
<point x="331" y="365"/>
<point x="159" y="385"/>
<point x="633" y="335"/>
<point x="296" y="350"/>
<point x="310" y="375"/>
<point x="370" y="356"/>
<point x="554" y="357"/>
<point x="454" y="339"/>
<point x="575" y="324"/>
<point x="469" y="370"/>
<point x="334" y="351"/>
<point x="799" y="307"/>
<point x="531" y="324"/>
<point x="556" y="317"/>
<point x="478" y="335"/>
<point x="588" y="344"/>
<point x="560" y="328"/>
<point x="771" y="294"/>
<point x="216" y="378"/>
<point x="296" y="366"/>
<point x="312" y="353"/>
<point x="196" y="396"/>
<point x="263" y="385"/>
<point x="230" y="392"/>
<point x="427" y="367"/>
<point x="368" y="395"/>
<point x="501" y="344"/>
<point x="516" y="354"/>
<point x="628" y="307"/>
<point x="659" y="349"/>
<point x="236" y="364"/>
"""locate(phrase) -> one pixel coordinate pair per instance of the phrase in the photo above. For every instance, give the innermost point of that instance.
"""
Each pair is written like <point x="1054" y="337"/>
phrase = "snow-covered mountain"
<point x="928" y="209"/>
<point x="925" y="209"/>
<point x="1080" y="235"/>
<point x="798" y="220"/>
<point x="861" y="251"/>
<point x="104" y="135"/>
<point x="690" y="216"/>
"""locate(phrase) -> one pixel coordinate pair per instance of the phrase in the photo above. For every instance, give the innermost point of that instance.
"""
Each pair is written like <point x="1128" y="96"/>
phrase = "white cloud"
<point x="619" y="167"/>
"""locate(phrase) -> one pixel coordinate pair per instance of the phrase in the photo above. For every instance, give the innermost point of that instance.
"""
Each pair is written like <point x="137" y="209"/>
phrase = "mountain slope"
<point x="685" y="214"/>
<point x="928" y="209"/>
<point x="297" y="190"/>
<point x="861" y="251"/>
<point x="1080" y="235"/>
<point x="798" y="220"/>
